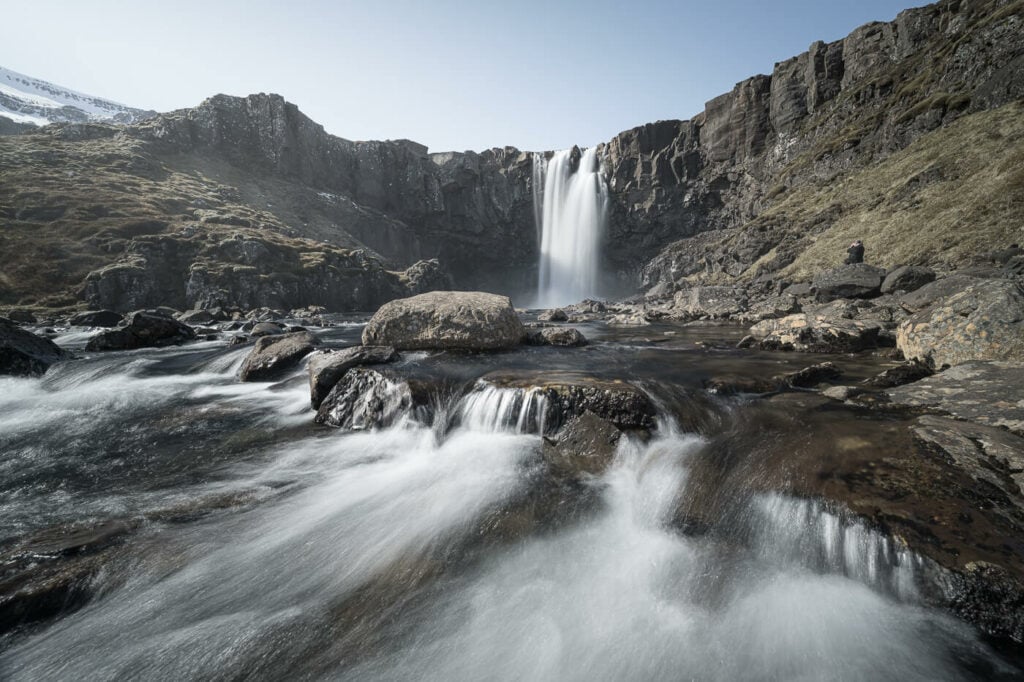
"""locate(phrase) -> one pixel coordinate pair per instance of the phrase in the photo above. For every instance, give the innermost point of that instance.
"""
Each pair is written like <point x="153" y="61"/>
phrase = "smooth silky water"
<point x="440" y="552"/>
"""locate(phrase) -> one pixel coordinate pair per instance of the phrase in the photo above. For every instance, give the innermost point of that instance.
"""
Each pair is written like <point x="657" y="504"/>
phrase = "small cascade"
<point x="802" y="530"/>
<point x="571" y="216"/>
<point x="491" y="409"/>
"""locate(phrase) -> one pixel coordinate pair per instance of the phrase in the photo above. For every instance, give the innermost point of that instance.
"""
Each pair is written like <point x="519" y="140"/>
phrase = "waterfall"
<point x="491" y="409"/>
<point x="571" y="218"/>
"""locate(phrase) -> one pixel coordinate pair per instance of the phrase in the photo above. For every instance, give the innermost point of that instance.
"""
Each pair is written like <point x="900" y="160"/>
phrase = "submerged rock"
<point x="24" y="353"/>
<point x="813" y="375"/>
<point x="273" y="355"/>
<point x="906" y="373"/>
<point x="586" y="445"/>
<point x="327" y="367"/>
<point x="985" y="321"/>
<point x="96" y="318"/>
<point x="468" y="320"/>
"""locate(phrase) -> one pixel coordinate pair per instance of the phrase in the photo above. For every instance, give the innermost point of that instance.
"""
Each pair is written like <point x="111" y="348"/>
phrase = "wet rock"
<point x="556" y="336"/>
<point x="553" y="315"/>
<point x="273" y="355"/>
<point x="738" y="384"/>
<point x="446" y="320"/>
<point x="367" y="398"/>
<point x="142" y="329"/>
<point x="51" y="572"/>
<point x="569" y="395"/>
<point x="194" y="317"/>
<point x="907" y="278"/>
<point x="24" y="353"/>
<point x="327" y="367"/>
<point x="842" y="393"/>
<point x="985" y="321"/>
<point x="989" y="393"/>
<point x="96" y="318"/>
<point x="21" y="316"/>
<point x="585" y="445"/>
<point x="813" y="375"/>
<point x="906" y="373"/>
<point x="988" y="596"/>
<point x="857" y="280"/>
<point x="632" y="319"/>
<point x="266" y="329"/>
<point x="748" y="341"/>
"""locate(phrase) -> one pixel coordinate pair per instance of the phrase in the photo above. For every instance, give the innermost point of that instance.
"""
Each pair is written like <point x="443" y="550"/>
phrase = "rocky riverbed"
<point x="722" y="509"/>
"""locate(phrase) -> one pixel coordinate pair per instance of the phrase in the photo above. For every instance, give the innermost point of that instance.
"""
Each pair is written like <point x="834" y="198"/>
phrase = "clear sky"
<point x="452" y="74"/>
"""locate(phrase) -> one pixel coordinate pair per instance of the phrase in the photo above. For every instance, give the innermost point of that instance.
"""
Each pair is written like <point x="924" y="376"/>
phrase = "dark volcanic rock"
<point x="585" y="445"/>
<point x="142" y="329"/>
<point x="273" y="355"/>
<point x="366" y="398"/>
<point x="96" y="318"/>
<point x="858" y="280"/>
<point x="327" y="367"/>
<point x="813" y="375"/>
<point x="266" y="329"/>
<point x="24" y="353"/>
<point x="568" y="395"/>
<point x="467" y="320"/>
<point x="907" y="278"/>
<point x="906" y="373"/>
<point x="21" y="316"/>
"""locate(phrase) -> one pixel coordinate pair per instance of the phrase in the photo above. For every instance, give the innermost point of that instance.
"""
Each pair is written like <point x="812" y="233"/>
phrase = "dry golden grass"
<point x="953" y="194"/>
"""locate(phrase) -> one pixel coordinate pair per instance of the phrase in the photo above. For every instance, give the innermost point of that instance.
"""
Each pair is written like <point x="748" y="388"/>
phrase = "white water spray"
<point x="571" y="215"/>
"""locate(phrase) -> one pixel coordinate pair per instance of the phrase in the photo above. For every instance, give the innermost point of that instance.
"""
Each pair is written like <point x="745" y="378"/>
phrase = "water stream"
<point x="418" y="552"/>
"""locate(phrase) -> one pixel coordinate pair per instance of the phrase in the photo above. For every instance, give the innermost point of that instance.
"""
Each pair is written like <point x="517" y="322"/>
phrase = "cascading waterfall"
<point x="571" y="218"/>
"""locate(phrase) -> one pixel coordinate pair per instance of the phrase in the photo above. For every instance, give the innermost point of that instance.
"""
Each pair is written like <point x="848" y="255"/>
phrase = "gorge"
<point x="275" y="404"/>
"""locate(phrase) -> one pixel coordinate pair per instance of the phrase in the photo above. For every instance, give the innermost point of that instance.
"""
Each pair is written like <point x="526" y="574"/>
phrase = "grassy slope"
<point x="953" y="194"/>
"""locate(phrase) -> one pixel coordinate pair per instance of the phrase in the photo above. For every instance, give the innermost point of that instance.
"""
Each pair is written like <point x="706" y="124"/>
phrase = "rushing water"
<point x="572" y="213"/>
<point x="418" y="552"/>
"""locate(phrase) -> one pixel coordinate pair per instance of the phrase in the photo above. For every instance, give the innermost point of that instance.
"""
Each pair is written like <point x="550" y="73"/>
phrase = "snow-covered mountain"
<point x="24" y="99"/>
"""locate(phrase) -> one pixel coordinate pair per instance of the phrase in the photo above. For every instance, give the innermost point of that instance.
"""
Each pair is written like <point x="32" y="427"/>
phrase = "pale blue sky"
<point x="448" y="73"/>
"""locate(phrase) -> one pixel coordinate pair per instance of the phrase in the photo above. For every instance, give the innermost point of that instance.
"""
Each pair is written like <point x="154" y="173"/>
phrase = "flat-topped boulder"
<point x="273" y="355"/>
<point x="984" y="321"/>
<point x="857" y="280"/>
<point x="24" y="353"/>
<point x="466" y="320"/>
<point x="982" y="392"/>
<point x="143" y="329"/>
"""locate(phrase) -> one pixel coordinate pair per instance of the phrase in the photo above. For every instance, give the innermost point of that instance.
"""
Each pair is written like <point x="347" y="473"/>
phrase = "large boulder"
<point x="469" y="320"/>
<point x="932" y="292"/>
<point x="834" y="328"/>
<point x="328" y="366"/>
<point x="857" y="280"/>
<point x="907" y="278"/>
<point x="96" y="318"/>
<point x="273" y="355"/>
<point x="985" y="321"/>
<point x="142" y="329"/>
<point x="24" y="353"/>
<point x="711" y="302"/>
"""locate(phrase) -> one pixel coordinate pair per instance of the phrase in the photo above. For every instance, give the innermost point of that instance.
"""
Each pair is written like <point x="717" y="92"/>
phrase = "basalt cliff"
<point x="908" y="135"/>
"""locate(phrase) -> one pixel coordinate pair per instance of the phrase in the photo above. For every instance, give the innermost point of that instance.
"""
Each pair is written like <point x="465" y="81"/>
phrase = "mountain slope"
<point x="32" y="101"/>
